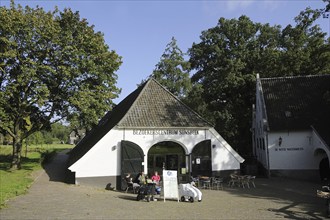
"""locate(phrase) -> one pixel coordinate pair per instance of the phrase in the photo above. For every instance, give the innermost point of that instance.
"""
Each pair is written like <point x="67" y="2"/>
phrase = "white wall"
<point x="260" y="128"/>
<point x="223" y="156"/>
<point x="101" y="160"/>
<point x="295" y="152"/>
<point x="104" y="158"/>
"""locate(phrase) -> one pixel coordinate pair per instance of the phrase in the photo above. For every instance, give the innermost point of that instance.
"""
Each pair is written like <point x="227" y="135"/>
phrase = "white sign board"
<point x="170" y="184"/>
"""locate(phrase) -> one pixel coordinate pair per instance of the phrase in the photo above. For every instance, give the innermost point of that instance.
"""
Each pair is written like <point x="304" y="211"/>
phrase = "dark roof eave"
<point x="152" y="128"/>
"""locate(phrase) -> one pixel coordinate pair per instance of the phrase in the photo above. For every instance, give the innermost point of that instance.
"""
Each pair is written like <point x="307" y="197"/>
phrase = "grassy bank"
<point x="13" y="183"/>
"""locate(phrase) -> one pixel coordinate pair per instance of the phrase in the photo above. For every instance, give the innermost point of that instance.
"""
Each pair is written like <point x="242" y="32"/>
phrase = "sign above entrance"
<point x="165" y="132"/>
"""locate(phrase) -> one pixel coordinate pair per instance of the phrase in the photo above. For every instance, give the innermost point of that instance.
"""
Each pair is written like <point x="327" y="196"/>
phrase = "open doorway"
<point x="324" y="169"/>
<point x="167" y="155"/>
<point x="201" y="159"/>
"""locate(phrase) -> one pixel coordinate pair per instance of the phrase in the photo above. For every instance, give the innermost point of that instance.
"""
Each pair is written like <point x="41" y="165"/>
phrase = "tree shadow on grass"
<point x="26" y="163"/>
<point x="5" y="162"/>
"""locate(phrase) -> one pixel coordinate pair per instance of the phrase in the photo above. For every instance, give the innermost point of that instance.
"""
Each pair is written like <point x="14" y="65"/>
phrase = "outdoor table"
<point x="204" y="181"/>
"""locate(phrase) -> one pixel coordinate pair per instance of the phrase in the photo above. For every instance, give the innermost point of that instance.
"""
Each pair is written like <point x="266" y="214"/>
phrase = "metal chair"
<point x="206" y="182"/>
<point x="251" y="180"/>
<point x="217" y="183"/>
<point x="234" y="179"/>
<point x="244" y="181"/>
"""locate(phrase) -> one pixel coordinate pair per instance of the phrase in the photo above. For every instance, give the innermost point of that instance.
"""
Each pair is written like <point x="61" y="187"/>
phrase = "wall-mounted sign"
<point x="165" y="132"/>
<point x="289" y="149"/>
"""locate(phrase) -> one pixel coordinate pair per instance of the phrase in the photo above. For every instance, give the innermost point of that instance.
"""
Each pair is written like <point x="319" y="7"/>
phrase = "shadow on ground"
<point x="295" y="199"/>
<point x="57" y="169"/>
<point x="299" y="196"/>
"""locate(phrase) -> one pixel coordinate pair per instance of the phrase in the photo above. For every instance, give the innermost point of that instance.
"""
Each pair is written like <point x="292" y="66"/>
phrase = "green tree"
<point x="224" y="68"/>
<point x="53" y="66"/>
<point x="327" y="7"/>
<point x="172" y="71"/>
<point x="35" y="138"/>
<point x="304" y="49"/>
<point x="60" y="132"/>
<point x="229" y="56"/>
<point x="197" y="102"/>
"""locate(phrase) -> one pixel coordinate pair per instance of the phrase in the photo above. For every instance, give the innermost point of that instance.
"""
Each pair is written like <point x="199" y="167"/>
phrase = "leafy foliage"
<point x="53" y="66"/>
<point x="230" y="55"/>
<point x="172" y="71"/>
<point x="59" y="134"/>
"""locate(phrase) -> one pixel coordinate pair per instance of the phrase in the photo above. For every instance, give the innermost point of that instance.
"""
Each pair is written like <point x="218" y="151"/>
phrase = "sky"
<point x="140" y="30"/>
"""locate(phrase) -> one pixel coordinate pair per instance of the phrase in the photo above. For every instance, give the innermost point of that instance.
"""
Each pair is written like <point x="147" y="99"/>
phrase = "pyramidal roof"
<point x="149" y="106"/>
<point x="156" y="107"/>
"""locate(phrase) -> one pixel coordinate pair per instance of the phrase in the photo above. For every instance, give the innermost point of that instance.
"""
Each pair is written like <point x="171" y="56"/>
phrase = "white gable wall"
<point x="296" y="151"/>
<point x="104" y="158"/>
<point x="259" y="126"/>
<point x="101" y="160"/>
<point x="223" y="156"/>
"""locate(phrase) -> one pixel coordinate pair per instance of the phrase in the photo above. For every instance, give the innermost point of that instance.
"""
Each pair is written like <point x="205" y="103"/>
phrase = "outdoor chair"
<point x="234" y="180"/>
<point x="133" y="186"/>
<point x="244" y="181"/>
<point x="251" y="180"/>
<point x="217" y="183"/>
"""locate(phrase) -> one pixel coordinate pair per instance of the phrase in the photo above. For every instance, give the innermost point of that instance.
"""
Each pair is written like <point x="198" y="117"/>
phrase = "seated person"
<point x="140" y="179"/>
<point x="130" y="184"/>
<point x="128" y="178"/>
<point x="156" y="179"/>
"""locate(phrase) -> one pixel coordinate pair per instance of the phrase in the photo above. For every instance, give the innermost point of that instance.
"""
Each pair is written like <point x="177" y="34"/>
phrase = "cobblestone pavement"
<point x="50" y="198"/>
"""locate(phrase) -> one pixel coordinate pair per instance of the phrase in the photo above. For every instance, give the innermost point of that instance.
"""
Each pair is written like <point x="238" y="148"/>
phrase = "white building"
<point x="291" y="126"/>
<point x="150" y="130"/>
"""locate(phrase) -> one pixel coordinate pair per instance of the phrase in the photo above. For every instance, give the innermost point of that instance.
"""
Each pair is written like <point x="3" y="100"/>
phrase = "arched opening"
<point x="324" y="169"/>
<point x="201" y="159"/>
<point x="132" y="157"/>
<point x="166" y="155"/>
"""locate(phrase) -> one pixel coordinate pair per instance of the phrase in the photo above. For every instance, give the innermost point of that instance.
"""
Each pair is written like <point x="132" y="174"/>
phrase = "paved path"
<point x="50" y="198"/>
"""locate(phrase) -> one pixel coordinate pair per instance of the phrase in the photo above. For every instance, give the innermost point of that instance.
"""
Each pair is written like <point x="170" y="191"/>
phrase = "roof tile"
<point x="297" y="103"/>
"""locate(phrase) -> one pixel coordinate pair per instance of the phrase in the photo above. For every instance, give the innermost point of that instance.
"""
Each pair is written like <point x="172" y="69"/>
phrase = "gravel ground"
<point x="50" y="198"/>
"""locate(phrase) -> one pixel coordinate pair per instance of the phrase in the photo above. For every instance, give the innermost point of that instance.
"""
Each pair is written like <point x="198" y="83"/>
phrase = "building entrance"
<point x="166" y="155"/>
<point x="131" y="161"/>
<point x="324" y="169"/>
<point x="201" y="159"/>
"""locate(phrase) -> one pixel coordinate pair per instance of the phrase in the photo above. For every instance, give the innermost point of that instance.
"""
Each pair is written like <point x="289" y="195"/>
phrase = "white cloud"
<point x="213" y="8"/>
<point x="234" y="5"/>
<point x="272" y="5"/>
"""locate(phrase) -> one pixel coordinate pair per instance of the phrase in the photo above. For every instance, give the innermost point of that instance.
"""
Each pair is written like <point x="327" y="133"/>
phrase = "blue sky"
<point x="139" y="30"/>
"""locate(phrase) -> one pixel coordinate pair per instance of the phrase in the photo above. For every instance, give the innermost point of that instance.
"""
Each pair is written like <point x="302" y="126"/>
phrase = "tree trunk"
<point x="17" y="150"/>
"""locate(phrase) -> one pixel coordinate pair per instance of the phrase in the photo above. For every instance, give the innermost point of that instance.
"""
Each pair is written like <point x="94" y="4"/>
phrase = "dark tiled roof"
<point x="297" y="103"/>
<point x="149" y="106"/>
<point x="157" y="107"/>
<point x="104" y="126"/>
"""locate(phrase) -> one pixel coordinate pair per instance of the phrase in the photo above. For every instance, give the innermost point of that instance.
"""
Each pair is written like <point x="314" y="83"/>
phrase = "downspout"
<point x="267" y="156"/>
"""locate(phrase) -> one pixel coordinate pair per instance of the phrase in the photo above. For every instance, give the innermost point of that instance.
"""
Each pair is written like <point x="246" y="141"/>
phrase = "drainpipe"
<point x="267" y="156"/>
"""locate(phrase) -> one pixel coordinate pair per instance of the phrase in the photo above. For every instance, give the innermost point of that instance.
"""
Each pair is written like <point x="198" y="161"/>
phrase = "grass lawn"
<point x="13" y="183"/>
